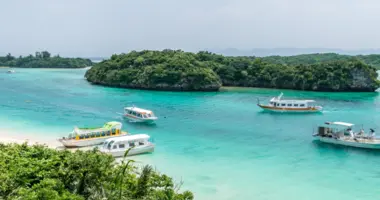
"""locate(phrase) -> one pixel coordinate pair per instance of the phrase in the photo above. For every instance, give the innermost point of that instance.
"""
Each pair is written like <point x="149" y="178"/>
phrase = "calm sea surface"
<point x="220" y="144"/>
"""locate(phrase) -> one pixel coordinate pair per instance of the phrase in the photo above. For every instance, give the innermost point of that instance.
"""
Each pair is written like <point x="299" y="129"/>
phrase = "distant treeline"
<point x="205" y="71"/>
<point x="43" y="60"/>
<point x="308" y="59"/>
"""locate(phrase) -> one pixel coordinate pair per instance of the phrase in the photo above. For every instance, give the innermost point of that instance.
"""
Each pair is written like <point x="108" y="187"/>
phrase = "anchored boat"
<point x="82" y="137"/>
<point x="138" y="143"/>
<point x="136" y="114"/>
<point x="342" y="133"/>
<point x="277" y="104"/>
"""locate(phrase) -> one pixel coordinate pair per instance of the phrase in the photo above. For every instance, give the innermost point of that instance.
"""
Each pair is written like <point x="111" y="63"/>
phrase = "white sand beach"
<point x="15" y="136"/>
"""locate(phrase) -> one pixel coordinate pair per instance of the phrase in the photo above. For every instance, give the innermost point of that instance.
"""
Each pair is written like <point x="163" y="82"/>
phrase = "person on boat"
<point x="361" y="133"/>
<point x="349" y="130"/>
<point x="372" y="135"/>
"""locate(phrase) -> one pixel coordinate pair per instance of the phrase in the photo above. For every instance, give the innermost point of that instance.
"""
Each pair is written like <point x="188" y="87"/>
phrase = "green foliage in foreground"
<point x="178" y="70"/>
<point x="36" y="172"/>
<point x="44" y="60"/>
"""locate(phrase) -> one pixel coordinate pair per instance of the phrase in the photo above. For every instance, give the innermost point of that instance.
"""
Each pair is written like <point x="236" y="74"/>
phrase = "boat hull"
<point x="140" y="120"/>
<point x="295" y="110"/>
<point x="350" y="143"/>
<point x="85" y="142"/>
<point x="134" y="151"/>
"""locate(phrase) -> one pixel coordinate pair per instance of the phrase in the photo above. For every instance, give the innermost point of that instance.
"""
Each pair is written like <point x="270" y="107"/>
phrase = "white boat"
<point x="277" y="104"/>
<point x="341" y="133"/>
<point x="136" y="114"/>
<point x="138" y="143"/>
<point x="11" y="71"/>
<point x="81" y="137"/>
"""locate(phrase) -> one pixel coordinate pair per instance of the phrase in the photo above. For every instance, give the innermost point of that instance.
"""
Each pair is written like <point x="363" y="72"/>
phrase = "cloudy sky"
<point x="100" y="27"/>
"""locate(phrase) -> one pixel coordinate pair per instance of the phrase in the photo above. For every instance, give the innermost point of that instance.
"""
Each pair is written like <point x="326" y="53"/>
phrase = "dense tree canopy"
<point x="36" y="172"/>
<point x="178" y="70"/>
<point x="305" y="59"/>
<point x="43" y="60"/>
<point x="160" y="70"/>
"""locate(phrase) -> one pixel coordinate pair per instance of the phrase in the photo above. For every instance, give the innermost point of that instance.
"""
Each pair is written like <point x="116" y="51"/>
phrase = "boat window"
<point x="87" y="136"/>
<point x="129" y="112"/>
<point x="289" y="105"/>
<point x="121" y="146"/>
<point x="139" y="115"/>
<point x="108" y="133"/>
<point x="302" y="105"/>
<point x="278" y="104"/>
<point x="131" y="144"/>
<point x="141" y="143"/>
<point x="81" y="137"/>
<point x="92" y="135"/>
<point x="112" y="133"/>
<point x="295" y="105"/>
<point x="283" y="104"/>
<point x="114" y="147"/>
<point x="133" y="113"/>
<point x="103" y="134"/>
<point x="98" y="134"/>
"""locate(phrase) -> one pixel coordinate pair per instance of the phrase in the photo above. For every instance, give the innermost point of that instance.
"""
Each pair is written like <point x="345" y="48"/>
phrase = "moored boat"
<point x="11" y="71"/>
<point x="136" y="114"/>
<point x="341" y="133"/>
<point x="277" y="104"/>
<point x="138" y="144"/>
<point x="81" y="137"/>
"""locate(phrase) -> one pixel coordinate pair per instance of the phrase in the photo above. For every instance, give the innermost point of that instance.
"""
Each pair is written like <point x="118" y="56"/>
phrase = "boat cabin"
<point x="126" y="142"/>
<point x="139" y="113"/>
<point x="109" y="129"/>
<point x="99" y="134"/>
<point x="335" y="129"/>
<point x="278" y="102"/>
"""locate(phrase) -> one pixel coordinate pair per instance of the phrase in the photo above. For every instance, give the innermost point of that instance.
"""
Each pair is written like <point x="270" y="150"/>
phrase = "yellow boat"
<point x="81" y="137"/>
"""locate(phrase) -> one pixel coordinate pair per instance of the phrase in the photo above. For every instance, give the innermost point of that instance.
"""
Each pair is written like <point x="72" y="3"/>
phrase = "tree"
<point x="45" y="54"/>
<point x="9" y="57"/>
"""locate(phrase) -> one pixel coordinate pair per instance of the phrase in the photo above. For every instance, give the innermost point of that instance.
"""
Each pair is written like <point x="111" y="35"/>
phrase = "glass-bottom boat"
<point x="276" y="104"/>
<point x="136" y="114"/>
<point x="81" y="137"/>
<point x="138" y="144"/>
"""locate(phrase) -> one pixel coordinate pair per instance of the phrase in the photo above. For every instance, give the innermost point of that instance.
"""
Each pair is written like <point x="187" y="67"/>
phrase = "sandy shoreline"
<point x="14" y="136"/>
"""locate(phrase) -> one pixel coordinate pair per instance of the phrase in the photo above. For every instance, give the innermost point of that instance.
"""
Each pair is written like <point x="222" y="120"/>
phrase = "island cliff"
<point x="176" y="70"/>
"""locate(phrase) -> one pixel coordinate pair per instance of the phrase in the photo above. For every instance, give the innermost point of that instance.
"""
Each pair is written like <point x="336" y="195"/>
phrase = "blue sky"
<point x="101" y="28"/>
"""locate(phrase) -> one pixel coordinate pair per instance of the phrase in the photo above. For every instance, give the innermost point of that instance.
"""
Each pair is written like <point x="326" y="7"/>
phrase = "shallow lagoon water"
<point x="220" y="144"/>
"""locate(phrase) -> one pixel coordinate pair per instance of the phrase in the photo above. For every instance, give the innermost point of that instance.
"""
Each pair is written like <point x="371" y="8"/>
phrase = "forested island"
<point x="36" y="172"/>
<point x="43" y="60"/>
<point x="177" y="70"/>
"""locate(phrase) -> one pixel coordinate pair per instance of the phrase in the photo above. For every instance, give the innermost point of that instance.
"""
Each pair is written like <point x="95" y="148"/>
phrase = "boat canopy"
<point x="340" y="124"/>
<point x="110" y="125"/>
<point x="138" y="110"/>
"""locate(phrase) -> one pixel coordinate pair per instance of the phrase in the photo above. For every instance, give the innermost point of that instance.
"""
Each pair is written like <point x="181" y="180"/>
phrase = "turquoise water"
<point x="220" y="144"/>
